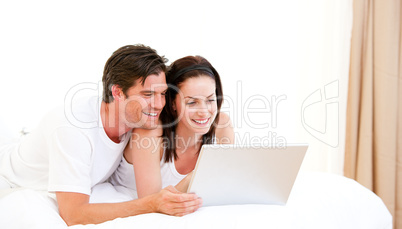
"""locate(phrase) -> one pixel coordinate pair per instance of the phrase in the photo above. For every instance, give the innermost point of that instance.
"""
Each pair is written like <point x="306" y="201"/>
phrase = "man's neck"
<point x="113" y="127"/>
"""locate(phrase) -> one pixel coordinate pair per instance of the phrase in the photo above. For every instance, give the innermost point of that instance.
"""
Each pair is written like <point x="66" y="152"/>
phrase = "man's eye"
<point x="147" y="94"/>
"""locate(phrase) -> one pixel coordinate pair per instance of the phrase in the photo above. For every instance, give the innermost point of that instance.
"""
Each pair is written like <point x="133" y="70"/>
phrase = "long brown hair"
<point x="178" y="72"/>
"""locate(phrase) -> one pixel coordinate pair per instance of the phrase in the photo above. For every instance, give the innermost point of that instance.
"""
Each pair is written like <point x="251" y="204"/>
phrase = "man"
<point x="67" y="158"/>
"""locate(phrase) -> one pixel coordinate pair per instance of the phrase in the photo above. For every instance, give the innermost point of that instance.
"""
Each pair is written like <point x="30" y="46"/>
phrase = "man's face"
<point x="144" y="103"/>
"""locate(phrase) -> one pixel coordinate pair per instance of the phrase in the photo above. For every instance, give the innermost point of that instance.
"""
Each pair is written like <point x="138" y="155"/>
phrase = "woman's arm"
<point x="224" y="131"/>
<point x="144" y="152"/>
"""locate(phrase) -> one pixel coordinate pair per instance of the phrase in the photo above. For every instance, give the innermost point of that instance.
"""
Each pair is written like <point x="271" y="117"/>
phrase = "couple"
<point x="68" y="160"/>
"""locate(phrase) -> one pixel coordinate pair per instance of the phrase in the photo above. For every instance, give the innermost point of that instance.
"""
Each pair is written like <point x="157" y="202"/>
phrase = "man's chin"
<point x="149" y="125"/>
<point x="143" y="124"/>
<point x="152" y="127"/>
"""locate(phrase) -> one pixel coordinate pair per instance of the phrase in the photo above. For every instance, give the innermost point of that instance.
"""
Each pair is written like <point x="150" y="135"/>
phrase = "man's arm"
<point x="75" y="208"/>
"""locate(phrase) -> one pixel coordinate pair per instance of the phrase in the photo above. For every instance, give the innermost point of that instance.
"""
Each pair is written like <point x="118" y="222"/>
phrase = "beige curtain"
<point x="373" y="151"/>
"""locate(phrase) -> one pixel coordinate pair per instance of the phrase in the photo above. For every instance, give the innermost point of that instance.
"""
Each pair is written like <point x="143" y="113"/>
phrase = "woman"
<point x="191" y="118"/>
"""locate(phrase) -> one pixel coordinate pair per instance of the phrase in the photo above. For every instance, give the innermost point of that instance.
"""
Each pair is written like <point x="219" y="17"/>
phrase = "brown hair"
<point x="127" y="64"/>
<point x="178" y="72"/>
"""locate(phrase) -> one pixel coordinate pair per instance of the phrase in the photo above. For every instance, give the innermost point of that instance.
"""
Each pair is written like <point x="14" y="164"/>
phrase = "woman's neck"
<point x="187" y="141"/>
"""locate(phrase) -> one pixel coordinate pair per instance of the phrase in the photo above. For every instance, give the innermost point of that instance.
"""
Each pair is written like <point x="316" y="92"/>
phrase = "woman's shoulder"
<point x="224" y="131"/>
<point x="144" y="142"/>
<point x="224" y="121"/>
<point x="223" y="118"/>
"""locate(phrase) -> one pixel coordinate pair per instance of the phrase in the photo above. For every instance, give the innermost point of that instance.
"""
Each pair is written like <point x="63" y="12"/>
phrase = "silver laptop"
<point x="230" y="174"/>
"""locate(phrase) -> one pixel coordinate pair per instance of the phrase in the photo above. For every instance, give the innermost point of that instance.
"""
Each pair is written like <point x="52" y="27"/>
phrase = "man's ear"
<point x="117" y="92"/>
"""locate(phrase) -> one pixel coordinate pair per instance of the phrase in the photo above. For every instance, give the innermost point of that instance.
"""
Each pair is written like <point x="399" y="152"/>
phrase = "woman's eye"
<point x="191" y="103"/>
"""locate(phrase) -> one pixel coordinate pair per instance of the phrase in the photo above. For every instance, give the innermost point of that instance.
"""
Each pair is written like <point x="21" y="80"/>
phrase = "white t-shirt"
<point x="68" y="152"/>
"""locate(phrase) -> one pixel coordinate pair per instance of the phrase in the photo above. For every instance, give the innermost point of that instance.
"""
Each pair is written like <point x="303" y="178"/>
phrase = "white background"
<point x="263" y="50"/>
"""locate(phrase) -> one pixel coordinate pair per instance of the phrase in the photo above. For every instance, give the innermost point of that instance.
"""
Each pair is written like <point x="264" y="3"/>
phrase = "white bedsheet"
<point x="318" y="200"/>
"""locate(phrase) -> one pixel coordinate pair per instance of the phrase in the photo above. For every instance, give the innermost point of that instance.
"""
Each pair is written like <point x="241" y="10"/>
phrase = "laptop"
<point x="231" y="174"/>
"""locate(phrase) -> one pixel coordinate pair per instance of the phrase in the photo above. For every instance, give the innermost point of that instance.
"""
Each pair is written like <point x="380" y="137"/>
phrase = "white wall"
<point x="272" y="55"/>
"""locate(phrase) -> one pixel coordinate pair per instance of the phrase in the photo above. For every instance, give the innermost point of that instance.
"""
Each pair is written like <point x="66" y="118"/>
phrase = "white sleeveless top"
<point x="169" y="174"/>
<point x="124" y="175"/>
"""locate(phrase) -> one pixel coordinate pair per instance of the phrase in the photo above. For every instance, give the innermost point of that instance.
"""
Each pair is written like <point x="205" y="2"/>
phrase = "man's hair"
<point x="128" y="64"/>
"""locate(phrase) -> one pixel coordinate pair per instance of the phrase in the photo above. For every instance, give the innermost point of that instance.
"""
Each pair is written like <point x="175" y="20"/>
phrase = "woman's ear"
<point x="174" y="105"/>
<point x="117" y="92"/>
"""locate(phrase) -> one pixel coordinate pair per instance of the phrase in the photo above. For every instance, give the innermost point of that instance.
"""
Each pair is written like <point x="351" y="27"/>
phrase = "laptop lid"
<point x="231" y="174"/>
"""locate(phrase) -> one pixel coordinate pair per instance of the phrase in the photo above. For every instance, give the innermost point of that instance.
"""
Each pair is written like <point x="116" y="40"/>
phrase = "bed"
<point x="317" y="200"/>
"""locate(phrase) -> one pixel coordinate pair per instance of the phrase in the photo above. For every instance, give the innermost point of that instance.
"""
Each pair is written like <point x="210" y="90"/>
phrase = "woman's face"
<point x="195" y="104"/>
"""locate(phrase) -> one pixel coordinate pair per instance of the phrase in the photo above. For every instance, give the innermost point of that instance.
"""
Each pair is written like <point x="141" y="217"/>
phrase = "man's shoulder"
<point x="82" y="113"/>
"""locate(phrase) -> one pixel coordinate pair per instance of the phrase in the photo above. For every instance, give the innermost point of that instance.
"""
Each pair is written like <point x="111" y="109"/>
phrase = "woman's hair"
<point x="127" y="64"/>
<point x="178" y="72"/>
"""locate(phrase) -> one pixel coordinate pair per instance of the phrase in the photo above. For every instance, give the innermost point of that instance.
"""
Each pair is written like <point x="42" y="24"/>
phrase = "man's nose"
<point x="158" y="102"/>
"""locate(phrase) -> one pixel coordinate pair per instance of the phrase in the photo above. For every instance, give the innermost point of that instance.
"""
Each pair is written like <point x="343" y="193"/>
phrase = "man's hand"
<point x="75" y="208"/>
<point x="172" y="202"/>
